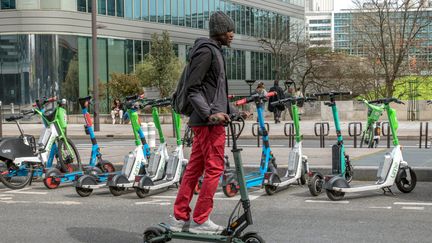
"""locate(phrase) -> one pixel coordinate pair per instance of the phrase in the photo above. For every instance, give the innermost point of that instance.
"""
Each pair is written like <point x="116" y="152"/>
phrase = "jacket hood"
<point x="203" y="41"/>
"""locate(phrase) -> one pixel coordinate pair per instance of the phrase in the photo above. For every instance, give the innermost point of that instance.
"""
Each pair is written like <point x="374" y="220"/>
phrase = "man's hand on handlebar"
<point x="219" y="118"/>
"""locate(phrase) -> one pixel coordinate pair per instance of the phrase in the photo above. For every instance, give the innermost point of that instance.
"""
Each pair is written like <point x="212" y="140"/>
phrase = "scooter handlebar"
<point x="254" y="97"/>
<point x="333" y="93"/>
<point x="84" y="101"/>
<point x="44" y="101"/>
<point x="387" y="101"/>
<point x="294" y="99"/>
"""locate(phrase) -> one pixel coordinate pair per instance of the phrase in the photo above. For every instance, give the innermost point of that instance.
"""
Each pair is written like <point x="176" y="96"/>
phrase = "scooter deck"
<point x="254" y="179"/>
<point x="285" y="181"/>
<point x="361" y="188"/>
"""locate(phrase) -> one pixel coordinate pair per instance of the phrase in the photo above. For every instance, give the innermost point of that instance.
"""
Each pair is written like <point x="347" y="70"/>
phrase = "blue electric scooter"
<point x="230" y="184"/>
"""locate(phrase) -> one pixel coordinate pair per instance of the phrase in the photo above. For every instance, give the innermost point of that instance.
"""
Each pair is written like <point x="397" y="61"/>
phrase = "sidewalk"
<point x="407" y="130"/>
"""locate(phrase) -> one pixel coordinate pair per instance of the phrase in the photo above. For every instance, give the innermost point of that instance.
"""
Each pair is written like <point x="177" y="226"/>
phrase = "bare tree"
<point x="385" y="31"/>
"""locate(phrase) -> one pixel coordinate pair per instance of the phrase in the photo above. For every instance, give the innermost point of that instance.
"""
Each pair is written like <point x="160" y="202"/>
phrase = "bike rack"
<point x="324" y="130"/>
<point x="289" y="127"/>
<point x="258" y="133"/>
<point x="236" y="127"/>
<point x="358" y="128"/>
<point x="424" y="134"/>
<point x="385" y="125"/>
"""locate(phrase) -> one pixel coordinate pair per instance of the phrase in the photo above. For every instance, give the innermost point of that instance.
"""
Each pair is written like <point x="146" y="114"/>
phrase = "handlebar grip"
<point x="240" y="102"/>
<point x="310" y="99"/>
<point x="231" y="97"/>
<point x="28" y="112"/>
<point x="88" y="98"/>
<point x="52" y="99"/>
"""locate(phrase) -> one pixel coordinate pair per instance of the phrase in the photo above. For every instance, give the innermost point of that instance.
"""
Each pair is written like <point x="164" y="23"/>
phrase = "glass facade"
<point x="249" y="21"/>
<point x="7" y="4"/>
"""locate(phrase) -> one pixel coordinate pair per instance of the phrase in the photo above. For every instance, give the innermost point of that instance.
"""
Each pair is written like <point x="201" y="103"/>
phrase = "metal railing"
<point x="258" y="134"/>
<point x="354" y="130"/>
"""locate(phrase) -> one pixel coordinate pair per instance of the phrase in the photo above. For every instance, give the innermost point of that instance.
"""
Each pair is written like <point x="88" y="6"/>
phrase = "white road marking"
<point x="413" y="203"/>
<point x="24" y="192"/>
<point x="323" y="201"/>
<point x="413" y="208"/>
<point x="5" y="198"/>
<point x="44" y="202"/>
<point x="155" y="202"/>
<point x="373" y="207"/>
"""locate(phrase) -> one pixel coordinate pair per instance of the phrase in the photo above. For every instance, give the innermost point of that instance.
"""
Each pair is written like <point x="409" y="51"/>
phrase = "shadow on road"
<point x="102" y="235"/>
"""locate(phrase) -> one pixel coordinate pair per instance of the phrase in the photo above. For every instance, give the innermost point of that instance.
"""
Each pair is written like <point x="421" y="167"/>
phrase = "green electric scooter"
<point x="236" y="224"/>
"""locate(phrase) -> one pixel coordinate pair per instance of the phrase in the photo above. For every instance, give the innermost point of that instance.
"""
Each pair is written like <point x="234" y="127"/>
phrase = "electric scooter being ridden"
<point x="371" y="135"/>
<point x="297" y="162"/>
<point x="134" y="164"/>
<point x="268" y="162"/>
<point x="236" y="223"/>
<point x="341" y="164"/>
<point x="392" y="169"/>
<point x="175" y="165"/>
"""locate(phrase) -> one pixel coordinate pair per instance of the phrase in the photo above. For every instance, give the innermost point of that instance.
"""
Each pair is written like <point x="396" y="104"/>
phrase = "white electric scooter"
<point x="144" y="184"/>
<point x="297" y="163"/>
<point x="392" y="169"/>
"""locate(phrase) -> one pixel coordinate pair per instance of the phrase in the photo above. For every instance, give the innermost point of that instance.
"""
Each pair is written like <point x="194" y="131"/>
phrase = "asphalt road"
<point x="39" y="215"/>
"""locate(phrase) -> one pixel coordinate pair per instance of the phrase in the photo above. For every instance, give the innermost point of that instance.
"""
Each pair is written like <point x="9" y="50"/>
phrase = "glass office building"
<point x="347" y="40"/>
<point x="45" y="45"/>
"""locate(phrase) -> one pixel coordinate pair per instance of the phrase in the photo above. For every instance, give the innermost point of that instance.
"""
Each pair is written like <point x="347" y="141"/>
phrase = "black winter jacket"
<point x="208" y="86"/>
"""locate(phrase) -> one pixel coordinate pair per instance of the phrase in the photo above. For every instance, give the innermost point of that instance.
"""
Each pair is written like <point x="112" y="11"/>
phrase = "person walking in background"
<point x="277" y="110"/>
<point x="117" y="111"/>
<point x="260" y="89"/>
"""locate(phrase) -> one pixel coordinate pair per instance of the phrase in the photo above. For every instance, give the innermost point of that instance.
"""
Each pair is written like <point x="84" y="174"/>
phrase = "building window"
<point x="181" y="13"/>
<point x="188" y="13"/>
<point x="168" y="11"/>
<point x="174" y="12"/>
<point x="137" y="9"/>
<point x="128" y="9"/>
<point x="153" y="10"/>
<point x="7" y="4"/>
<point x="160" y="11"/>
<point x="101" y="4"/>
<point x="120" y="8"/>
<point x="82" y="5"/>
<point x="111" y="7"/>
<point x="145" y="10"/>
<point x="194" y="13"/>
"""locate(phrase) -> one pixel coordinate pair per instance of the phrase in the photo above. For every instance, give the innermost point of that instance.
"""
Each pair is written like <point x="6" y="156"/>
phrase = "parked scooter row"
<point x="22" y="159"/>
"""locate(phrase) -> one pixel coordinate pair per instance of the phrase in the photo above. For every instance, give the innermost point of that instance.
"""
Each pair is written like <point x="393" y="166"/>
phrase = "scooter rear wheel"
<point x="151" y="233"/>
<point x="50" y="181"/>
<point x="403" y="184"/>
<point x="117" y="191"/>
<point x="270" y="190"/>
<point x="13" y="181"/>
<point x="334" y="195"/>
<point x="83" y="192"/>
<point x="252" y="238"/>
<point x="230" y="190"/>
<point x="141" y="193"/>
<point x="315" y="184"/>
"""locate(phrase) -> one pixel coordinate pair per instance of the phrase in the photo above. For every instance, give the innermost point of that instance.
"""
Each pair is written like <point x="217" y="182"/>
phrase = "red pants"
<point x="207" y="157"/>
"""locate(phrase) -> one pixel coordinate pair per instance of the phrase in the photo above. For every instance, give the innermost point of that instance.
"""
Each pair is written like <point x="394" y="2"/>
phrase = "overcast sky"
<point x="342" y="4"/>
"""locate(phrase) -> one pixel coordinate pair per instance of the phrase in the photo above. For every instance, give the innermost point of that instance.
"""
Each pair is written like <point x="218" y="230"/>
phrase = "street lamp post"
<point x="95" y="68"/>
<point x="250" y="83"/>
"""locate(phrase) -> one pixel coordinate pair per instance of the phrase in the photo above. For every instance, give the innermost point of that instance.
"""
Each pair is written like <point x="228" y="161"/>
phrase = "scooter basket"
<point x="31" y="142"/>
<point x="44" y="137"/>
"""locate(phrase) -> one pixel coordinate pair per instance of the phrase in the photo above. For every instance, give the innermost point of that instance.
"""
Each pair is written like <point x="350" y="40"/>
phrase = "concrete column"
<point x="182" y="52"/>
<point x="248" y="65"/>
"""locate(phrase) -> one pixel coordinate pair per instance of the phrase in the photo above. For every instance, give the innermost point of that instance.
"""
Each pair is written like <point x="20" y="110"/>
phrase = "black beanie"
<point x="220" y="23"/>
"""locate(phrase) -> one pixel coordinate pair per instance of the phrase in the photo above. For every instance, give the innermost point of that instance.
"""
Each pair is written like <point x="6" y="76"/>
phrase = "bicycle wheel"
<point x="18" y="177"/>
<point x="68" y="157"/>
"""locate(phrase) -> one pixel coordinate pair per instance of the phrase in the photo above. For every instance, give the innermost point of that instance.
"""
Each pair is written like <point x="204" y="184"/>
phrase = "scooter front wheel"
<point x="334" y="195"/>
<point x="151" y="233"/>
<point x="50" y="181"/>
<point x="402" y="182"/>
<point x="230" y="189"/>
<point x="252" y="238"/>
<point x="13" y="179"/>
<point x="315" y="184"/>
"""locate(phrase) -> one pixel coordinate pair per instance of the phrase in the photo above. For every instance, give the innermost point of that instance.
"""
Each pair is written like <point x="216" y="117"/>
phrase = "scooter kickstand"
<point x="388" y="190"/>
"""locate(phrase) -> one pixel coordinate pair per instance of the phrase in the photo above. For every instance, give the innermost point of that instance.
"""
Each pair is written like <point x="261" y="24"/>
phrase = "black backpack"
<point x="179" y="100"/>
